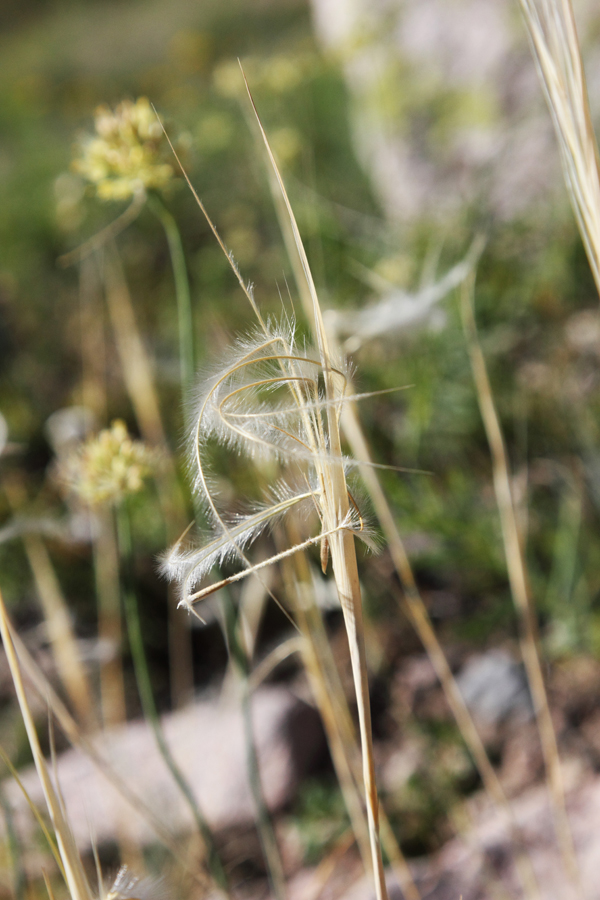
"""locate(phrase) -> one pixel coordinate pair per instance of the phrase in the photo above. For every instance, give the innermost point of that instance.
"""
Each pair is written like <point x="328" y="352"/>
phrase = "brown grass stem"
<point x="110" y="631"/>
<point x="92" y="339"/>
<point x="517" y="575"/>
<point x="137" y="373"/>
<point x="341" y="735"/>
<point x="56" y="616"/>
<point x="266" y="832"/>
<point x="60" y="630"/>
<point x="139" y="383"/>
<point x="415" y="608"/>
<point x="108" y="234"/>
<point x="556" y="49"/>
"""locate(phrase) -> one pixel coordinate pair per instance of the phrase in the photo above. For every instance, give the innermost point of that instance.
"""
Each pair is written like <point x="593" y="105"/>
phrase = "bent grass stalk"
<point x="306" y="436"/>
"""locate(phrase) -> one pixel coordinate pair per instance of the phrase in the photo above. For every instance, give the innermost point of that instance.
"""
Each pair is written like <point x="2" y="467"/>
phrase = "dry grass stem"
<point x="56" y="616"/>
<point x="110" y="628"/>
<point x="108" y="234"/>
<point x="92" y="340"/>
<point x="78" y="739"/>
<point x="325" y="688"/>
<point x="329" y="696"/>
<point x="60" y="630"/>
<point x="555" y="45"/>
<point x="301" y="431"/>
<point x="136" y="368"/>
<point x="74" y="873"/>
<point x="58" y="621"/>
<point x="139" y="382"/>
<point x="517" y="574"/>
<point x="415" y="608"/>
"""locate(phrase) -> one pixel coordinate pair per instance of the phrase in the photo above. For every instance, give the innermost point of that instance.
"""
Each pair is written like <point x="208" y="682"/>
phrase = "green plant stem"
<point x="266" y="832"/>
<point x="182" y="291"/>
<point x="144" y="685"/>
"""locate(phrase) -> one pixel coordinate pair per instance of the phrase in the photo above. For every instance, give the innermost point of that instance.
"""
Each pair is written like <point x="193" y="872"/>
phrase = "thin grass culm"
<point x="555" y="45"/>
<point x="273" y="399"/>
<point x="519" y="585"/>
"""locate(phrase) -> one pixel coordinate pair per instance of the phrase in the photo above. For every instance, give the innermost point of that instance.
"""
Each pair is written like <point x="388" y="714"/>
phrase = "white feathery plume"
<point x="241" y="406"/>
<point x="275" y="399"/>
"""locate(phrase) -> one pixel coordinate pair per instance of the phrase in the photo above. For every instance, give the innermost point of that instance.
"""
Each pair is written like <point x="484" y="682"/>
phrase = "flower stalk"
<point x="182" y="292"/>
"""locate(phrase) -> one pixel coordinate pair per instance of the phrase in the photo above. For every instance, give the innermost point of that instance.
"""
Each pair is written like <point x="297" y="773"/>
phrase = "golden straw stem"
<point x="517" y="575"/>
<point x="139" y="382"/>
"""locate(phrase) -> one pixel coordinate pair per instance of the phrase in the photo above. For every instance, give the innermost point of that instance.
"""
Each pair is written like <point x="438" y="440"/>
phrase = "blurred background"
<point x="403" y="130"/>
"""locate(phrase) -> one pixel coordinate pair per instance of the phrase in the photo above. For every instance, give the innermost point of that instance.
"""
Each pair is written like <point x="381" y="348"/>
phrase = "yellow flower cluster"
<point x="108" y="467"/>
<point x="124" y="156"/>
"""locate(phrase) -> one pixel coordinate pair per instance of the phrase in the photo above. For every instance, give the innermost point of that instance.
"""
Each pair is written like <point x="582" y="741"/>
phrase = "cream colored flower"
<point x="108" y="467"/>
<point x="124" y="156"/>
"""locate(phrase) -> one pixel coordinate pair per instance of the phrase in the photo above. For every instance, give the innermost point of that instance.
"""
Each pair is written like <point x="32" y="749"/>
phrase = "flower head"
<point x="124" y="156"/>
<point x="108" y="467"/>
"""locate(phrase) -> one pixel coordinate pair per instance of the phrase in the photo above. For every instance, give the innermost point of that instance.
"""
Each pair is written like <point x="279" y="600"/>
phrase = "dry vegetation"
<point x="281" y="485"/>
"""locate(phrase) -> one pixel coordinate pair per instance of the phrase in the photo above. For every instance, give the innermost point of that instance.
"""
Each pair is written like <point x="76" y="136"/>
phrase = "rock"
<point x="481" y="864"/>
<point x="494" y="687"/>
<point x="207" y="741"/>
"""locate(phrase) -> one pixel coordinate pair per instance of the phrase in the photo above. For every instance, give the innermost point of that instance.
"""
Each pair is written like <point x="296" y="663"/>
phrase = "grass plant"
<point x="303" y="430"/>
<point x="413" y="605"/>
<point x="291" y="407"/>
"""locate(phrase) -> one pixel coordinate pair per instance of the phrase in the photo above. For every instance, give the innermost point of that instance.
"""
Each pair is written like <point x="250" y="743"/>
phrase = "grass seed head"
<point x="267" y="401"/>
<point x="127" y="887"/>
